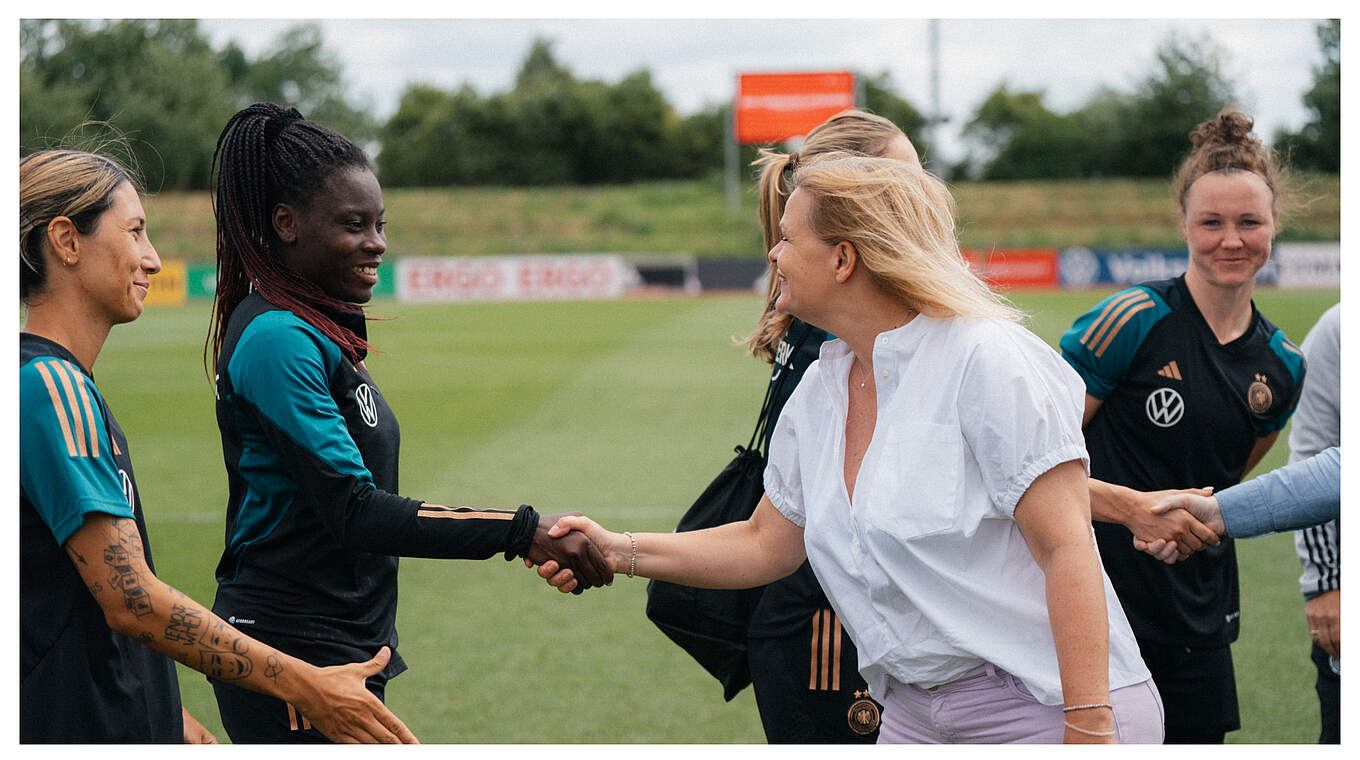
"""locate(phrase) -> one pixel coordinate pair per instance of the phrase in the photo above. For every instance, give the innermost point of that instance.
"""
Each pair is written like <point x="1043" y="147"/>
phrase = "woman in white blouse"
<point x="931" y="467"/>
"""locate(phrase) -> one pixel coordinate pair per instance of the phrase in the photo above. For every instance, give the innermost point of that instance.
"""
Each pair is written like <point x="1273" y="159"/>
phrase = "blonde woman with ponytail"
<point x="930" y="467"/>
<point x="793" y="611"/>
<point x="853" y="131"/>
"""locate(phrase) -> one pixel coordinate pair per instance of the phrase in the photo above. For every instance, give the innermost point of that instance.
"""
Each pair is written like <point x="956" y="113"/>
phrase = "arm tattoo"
<point x="129" y="537"/>
<point x="185" y="623"/>
<point x="124" y="578"/>
<point x="273" y="668"/>
<point x="222" y="653"/>
<point x="124" y="547"/>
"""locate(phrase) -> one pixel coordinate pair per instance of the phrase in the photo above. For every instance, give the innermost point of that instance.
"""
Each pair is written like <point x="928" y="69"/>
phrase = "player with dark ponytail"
<point x="314" y="522"/>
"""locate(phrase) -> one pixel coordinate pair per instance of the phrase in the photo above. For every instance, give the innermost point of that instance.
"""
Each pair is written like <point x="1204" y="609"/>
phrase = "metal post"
<point x="936" y="117"/>
<point x="732" y="160"/>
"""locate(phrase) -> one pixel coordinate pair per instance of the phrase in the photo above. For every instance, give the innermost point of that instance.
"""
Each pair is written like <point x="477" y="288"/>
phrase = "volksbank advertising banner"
<point x="1291" y="265"/>
<point x="1308" y="265"/>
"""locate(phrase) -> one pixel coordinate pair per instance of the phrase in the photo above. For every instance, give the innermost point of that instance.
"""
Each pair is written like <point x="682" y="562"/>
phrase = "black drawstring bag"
<point x="711" y="624"/>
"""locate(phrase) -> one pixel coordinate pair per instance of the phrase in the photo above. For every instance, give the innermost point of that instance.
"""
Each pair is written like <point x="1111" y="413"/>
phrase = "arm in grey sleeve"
<point x="1317" y="425"/>
<point x="1297" y="495"/>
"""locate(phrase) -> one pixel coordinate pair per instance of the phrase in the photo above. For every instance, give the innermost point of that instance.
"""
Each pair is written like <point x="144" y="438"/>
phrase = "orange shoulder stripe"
<point x="58" y="407"/>
<point x="1111" y="306"/>
<point x="89" y="412"/>
<point x="60" y="370"/>
<point x="1128" y="314"/>
<point x="1117" y="317"/>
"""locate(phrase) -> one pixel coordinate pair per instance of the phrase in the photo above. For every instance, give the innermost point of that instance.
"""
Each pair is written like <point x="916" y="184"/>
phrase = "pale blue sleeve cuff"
<point x="1305" y="493"/>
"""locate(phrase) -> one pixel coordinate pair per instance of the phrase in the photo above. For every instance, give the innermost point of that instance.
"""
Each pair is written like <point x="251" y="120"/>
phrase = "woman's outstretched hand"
<point x="574" y="552"/>
<point x="337" y="701"/>
<point x="615" y="550"/>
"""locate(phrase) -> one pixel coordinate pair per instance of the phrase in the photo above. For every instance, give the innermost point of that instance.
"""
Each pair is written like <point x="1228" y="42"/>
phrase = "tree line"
<point x="163" y="85"/>
<point x="1142" y="132"/>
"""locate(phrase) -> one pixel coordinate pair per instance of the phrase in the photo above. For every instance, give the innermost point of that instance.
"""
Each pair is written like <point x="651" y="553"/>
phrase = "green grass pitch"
<point x="623" y="410"/>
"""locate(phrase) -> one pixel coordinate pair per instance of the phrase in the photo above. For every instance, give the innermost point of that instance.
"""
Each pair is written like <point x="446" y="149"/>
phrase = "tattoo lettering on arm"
<point x="185" y="623"/>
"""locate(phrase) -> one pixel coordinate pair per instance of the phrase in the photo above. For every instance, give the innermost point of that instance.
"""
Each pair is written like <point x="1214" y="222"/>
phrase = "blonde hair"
<point x="75" y="184"/>
<point x="852" y="131"/>
<point x="900" y="219"/>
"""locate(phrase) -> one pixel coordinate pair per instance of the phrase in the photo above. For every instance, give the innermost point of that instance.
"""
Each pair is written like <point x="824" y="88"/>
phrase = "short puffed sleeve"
<point x="1020" y="411"/>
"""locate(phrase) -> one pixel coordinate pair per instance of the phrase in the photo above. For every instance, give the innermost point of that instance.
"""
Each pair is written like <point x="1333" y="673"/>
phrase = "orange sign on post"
<point x="777" y="107"/>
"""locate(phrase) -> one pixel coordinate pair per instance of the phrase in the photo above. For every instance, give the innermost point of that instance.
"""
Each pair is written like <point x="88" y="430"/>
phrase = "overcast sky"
<point x="694" y="62"/>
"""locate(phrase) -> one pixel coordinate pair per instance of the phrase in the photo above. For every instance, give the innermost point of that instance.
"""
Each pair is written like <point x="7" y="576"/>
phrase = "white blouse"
<point x="926" y="566"/>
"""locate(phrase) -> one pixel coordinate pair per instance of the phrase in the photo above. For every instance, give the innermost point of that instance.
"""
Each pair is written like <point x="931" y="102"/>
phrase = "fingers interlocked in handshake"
<point x="609" y="553"/>
<point x="1200" y="504"/>
<point x="561" y="552"/>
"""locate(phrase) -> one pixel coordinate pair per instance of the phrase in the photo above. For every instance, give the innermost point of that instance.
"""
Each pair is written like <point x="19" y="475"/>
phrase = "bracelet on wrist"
<point x="1088" y="732"/>
<point x="1093" y="705"/>
<point x="632" y="563"/>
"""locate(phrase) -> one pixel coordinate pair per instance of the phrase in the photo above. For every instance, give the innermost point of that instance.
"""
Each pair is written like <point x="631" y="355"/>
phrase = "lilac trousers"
<point x="987" y="705"/>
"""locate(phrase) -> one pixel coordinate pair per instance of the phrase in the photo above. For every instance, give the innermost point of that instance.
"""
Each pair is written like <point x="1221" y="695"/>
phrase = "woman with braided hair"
<point x="314" y="524"/>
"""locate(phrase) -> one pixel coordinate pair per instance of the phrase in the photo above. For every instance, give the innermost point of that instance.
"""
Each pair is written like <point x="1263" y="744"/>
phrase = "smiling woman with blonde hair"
<point x="916" y="258"/>
<point x="930" y="466"/>
<point x="794" y="610"/>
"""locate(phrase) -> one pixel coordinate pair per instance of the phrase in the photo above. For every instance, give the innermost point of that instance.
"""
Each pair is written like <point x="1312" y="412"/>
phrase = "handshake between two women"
<point x="571" y="561"/>
<point x="744" y="554"/>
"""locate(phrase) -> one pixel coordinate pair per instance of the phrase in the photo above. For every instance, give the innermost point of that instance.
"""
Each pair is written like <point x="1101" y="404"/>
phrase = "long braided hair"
<point x="267" y="155"/>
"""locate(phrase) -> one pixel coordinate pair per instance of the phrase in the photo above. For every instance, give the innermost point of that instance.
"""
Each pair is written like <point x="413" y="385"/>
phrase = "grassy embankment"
<point x="691" y="217"/>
